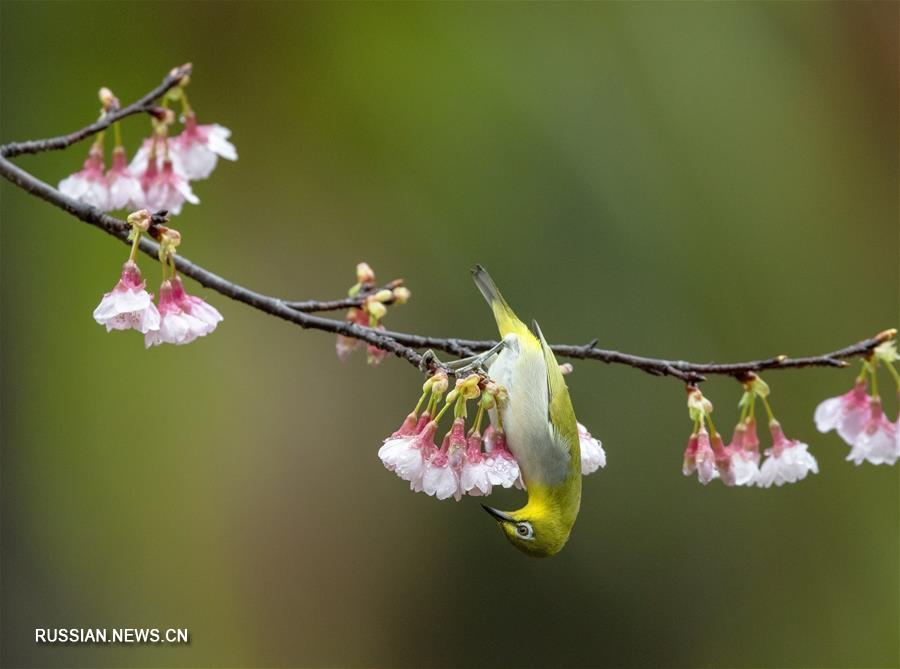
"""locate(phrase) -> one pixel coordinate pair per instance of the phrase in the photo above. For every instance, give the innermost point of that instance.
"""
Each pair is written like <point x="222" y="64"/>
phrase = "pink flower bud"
<point x="375" y="308"/>
<point x="401" y="295"/>
<point x="140" y="219"/>
<point x="364" y="273"/>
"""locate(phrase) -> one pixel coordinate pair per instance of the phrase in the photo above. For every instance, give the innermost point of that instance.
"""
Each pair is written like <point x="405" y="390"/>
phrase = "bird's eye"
<point x="524" y="530"/>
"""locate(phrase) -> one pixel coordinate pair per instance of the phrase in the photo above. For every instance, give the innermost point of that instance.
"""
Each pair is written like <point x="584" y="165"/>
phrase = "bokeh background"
<point x="710" y="181"/>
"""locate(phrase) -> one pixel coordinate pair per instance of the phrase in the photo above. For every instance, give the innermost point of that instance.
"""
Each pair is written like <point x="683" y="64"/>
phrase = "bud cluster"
<point x="858" y="415"/>
<point x="159" y="176"/>
<point x="738" y="463"/>
<point x="466" y="462"/>
<point x="178" y="318"/>
<point x="371" y="312"/>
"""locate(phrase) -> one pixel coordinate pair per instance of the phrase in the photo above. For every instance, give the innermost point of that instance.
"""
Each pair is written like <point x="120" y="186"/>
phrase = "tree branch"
<point x="403" y="345"/>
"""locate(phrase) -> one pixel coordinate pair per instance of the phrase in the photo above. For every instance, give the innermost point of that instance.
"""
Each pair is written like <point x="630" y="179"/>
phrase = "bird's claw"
<point x="473" y="363"/>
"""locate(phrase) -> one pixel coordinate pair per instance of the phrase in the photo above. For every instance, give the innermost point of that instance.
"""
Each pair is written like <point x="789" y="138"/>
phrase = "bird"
<point x="541" y="431"/>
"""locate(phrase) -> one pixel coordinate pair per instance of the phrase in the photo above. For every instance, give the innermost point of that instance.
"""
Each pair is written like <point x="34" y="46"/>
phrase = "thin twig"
<point x="142" y="106"/>
<point x="403" y="345"/>
<point x="347" y="302"/>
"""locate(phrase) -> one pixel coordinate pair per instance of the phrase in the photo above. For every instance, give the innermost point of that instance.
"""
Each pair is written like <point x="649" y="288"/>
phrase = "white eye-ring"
<point x="524" y="530"/>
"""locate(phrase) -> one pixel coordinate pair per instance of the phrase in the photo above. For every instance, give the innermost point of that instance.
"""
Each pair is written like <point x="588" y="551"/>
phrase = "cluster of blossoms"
<point x="858" y="415"/>
<point x="178" y="318"/>
<point x="159" y="176"/>
<point x="738" y="463"/>
<point x="466" y="462"/>
<point x="371" y="312"/>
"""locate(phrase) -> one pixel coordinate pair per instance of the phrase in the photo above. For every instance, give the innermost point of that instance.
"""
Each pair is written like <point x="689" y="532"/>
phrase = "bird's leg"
<point x="462" y="365"/>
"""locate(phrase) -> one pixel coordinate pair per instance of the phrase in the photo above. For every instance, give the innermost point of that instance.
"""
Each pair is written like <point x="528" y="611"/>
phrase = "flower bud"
<point x="185" y="78"/>
<point x="566" y="368"/>
<point x="107" y="99"/>
<point x="402" y="295"/>
<point x="382" y="296"/>
<point x="364" y="273"/>
<point x="440" y="383"/>
<point x="698" y="405"/>
<point x="167" y="117"/>
<point x="170" y="237"/>
<point x="168" y="240"/>
<point x="140" y="219"/>
<point x="468" y="387"/>
<point x="375" y="308"/>
<point x="886" y="352"/>
<point x="757" y="386"/>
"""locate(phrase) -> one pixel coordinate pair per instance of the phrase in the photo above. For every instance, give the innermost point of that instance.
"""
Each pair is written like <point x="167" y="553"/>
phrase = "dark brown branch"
<point x="142" y="106"/>
<point x="347" y="302"/>
<point x="403" y="345"/>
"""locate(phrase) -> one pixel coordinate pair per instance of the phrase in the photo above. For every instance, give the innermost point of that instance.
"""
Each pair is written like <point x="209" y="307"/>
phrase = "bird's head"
<point x="537" y="529"/>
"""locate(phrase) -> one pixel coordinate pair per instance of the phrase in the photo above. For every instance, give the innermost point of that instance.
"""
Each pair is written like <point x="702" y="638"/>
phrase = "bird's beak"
<point x="498" y="515"/>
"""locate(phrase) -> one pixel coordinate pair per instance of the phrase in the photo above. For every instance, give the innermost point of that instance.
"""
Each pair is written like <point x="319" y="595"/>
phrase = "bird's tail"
<point x="507" y="321"/>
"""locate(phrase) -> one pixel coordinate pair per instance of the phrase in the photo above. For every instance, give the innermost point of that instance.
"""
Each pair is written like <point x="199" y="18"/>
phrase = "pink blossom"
<point x="751" y="440"/>
<point x="440" y="478"/>
<point x="592" y="454"/>
<point x="394" y="450"/>
<point x="503" y="469"/>
<point x="699" y="457"/>
<point x="128" y="306"/>
<point x="723" y="460"/>
<point x="197" y="149"/>
<point x="877" y="441"/>
<point x="89" y="185"/>
<point x="846" y="413"/>
<point x="345" y="345"/>
<point x="141" y="160"/>
<point x="787" y="461"/>
<point x="124" y="187"/>
<point x="738" y="463"/>
<point x="689" y="460"/>
<point x="183" y="317"/>
<point x="375" y="355"/>
<point x="474" y="476"/>
<point x="406" y="456"/>
<point x="165" y="188"/>
<point x="408" y="428"/>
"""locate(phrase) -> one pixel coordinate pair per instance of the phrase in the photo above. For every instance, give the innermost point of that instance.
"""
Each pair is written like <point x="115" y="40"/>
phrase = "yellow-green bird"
<point x="541" y="431"/>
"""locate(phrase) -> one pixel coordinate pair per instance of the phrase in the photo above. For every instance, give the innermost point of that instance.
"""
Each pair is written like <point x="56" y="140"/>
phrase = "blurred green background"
<point x="701" y="181"/>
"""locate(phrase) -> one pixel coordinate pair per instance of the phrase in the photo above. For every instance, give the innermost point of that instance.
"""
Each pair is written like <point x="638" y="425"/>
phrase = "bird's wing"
<point x="560" y="413"/>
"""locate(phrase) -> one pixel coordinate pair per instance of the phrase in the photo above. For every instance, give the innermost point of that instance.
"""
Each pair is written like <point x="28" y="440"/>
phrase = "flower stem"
<point x="185" y="105"/>
<point x="135" y="243"/>
<point x="894" y="373"/>
<point x="437" y="419"/>
<point x="874" y="379"/>
<point x="117" y="131"/>
<point x="459" y="408"/>
<point x="419" y="404"/>
<point x="478" y="418"/>
<point x="712" y="427"/>
<point x="768" y="409"/>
